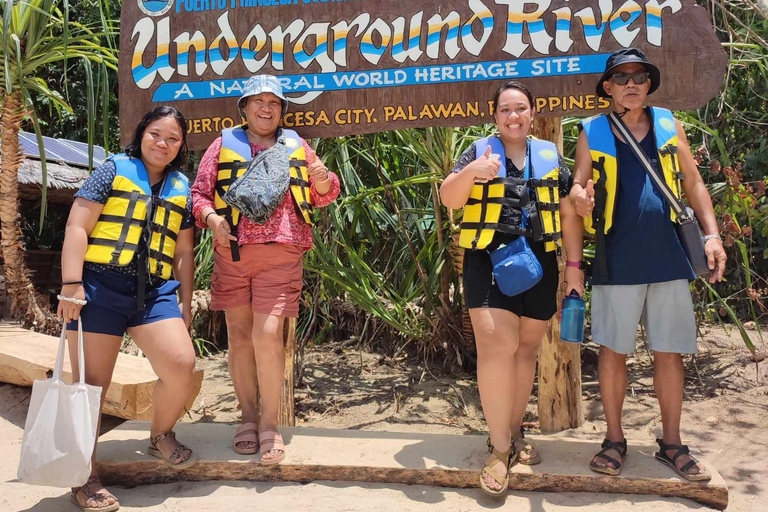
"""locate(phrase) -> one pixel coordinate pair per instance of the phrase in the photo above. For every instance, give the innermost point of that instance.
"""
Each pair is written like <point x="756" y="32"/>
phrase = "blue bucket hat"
<point x="258" y="84"/>
<point x="626" y="56"/>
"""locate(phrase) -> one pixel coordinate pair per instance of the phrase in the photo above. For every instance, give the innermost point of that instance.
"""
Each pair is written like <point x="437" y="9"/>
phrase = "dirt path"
<point x="725" y="416"/>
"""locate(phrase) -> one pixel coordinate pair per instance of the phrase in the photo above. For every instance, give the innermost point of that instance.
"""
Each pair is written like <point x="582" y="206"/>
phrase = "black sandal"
<point x="608" y="445"/>
<point x="681" y="450"/>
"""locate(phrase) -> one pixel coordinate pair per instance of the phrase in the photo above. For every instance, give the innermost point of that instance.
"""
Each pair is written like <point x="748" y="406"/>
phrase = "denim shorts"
<point x="113" y="305"/>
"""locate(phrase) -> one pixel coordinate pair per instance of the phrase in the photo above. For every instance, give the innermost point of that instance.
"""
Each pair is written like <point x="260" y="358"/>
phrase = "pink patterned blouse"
<point x="285" y="226"/>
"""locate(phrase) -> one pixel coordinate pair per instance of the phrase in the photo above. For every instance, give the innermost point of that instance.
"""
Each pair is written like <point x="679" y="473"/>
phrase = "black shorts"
<point x="539" y="303"/>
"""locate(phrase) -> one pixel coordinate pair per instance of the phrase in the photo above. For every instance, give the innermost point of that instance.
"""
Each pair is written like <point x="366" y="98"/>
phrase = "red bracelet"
<point x="574" y="264"/>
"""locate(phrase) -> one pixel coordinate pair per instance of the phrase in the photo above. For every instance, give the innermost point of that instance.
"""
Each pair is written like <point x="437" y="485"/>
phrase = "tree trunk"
<point x="24" y="301"/>
<point x="559" y="362"/>
<point x="286" y="415"/>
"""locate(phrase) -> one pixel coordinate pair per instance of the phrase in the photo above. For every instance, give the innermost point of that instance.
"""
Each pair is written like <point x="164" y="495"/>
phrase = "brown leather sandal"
<point x="176" y="459"/>
<point x="92" y="496"/>
<point x="526" y="450"/>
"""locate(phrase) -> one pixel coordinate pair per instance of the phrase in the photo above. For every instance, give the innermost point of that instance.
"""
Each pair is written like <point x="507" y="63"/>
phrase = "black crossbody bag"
<point x="687" y="227"/>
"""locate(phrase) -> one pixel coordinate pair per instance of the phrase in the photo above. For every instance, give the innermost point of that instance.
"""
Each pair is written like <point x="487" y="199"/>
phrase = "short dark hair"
<point x="134" y="148"/>
<point x="513" y="84"/>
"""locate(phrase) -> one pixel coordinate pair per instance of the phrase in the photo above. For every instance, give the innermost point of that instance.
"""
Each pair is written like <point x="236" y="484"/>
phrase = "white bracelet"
<point x="79" y="302"/>
<point x="707" y="238"/>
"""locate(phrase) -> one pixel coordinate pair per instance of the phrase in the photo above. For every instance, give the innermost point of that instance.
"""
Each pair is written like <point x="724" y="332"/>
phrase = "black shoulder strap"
<point x="674" y="202"/>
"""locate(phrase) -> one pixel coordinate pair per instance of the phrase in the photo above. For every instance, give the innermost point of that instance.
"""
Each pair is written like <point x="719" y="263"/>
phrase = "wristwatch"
<point x="575" y="264"/>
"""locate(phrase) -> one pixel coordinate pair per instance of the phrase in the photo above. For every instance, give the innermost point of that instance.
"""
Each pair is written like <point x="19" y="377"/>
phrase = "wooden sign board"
<point x="361" y="66"/>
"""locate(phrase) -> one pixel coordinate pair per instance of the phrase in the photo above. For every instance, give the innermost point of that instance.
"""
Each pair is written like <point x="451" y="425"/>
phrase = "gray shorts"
<point x="666" y="310"/>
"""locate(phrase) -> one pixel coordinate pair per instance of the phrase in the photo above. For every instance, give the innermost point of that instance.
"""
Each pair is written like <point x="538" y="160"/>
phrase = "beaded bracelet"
<point x="79" y="302"/>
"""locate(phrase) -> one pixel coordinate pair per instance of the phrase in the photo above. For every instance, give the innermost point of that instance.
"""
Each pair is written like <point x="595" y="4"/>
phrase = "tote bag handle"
<point x="57" y="369"/>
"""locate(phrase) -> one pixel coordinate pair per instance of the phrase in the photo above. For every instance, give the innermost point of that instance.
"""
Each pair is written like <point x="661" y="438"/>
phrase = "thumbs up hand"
<point x="485" y="168"/>
<point x="584" y="199"/>
<point x="591" y="189"/>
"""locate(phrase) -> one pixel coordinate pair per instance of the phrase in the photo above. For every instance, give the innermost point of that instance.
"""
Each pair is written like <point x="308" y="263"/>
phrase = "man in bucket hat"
<point x="258" y="259"/>
<point x="642" y="272"/>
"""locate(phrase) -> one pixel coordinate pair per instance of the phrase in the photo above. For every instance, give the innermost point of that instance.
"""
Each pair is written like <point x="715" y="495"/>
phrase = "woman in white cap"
<point x="259" y="248"/>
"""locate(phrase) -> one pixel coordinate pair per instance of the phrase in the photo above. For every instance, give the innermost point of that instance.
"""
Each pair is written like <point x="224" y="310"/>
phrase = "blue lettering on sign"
<point x="213" y="5"/>
<point x="400" y="77"/>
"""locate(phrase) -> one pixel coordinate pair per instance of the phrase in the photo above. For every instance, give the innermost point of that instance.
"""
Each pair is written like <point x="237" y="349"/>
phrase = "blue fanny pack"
<point x="515" y="268"/>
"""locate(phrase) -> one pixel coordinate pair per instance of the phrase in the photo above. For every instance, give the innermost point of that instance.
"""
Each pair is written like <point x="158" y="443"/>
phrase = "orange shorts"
<point x="268" y="277"/>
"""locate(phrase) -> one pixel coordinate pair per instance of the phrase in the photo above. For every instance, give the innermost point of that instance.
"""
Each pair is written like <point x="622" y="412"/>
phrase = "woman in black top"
<point x="508" y="330"/>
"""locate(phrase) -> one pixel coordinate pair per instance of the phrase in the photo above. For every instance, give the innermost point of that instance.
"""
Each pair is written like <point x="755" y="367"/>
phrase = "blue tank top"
<point x="642" y="246"/>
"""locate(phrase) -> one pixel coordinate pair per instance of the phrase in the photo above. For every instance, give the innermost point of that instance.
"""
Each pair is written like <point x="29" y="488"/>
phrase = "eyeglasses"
<point x="638" y="78"/>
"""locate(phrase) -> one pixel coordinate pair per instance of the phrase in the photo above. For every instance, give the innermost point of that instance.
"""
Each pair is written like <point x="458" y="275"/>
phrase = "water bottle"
<point x="572" y="323"/>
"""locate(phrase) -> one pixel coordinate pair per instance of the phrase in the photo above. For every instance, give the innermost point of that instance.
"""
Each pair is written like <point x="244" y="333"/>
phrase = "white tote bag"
<point x="60" y="430"/>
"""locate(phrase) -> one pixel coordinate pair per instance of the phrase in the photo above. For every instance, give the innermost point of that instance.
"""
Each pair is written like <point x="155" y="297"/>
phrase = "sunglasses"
<point x="623" y="78"/>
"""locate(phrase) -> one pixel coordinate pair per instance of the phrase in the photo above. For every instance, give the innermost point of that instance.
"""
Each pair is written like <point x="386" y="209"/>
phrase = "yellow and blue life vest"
<point x="234" y="158"/>
<point x="117" y="235"/>
<point x="483" y="208"/>
<point x="602" y="148"/>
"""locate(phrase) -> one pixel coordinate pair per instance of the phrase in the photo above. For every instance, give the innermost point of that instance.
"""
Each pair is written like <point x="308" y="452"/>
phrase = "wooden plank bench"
<point x="26" y="356"/>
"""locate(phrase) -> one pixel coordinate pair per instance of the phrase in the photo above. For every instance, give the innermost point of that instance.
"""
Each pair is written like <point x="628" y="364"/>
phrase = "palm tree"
<point x="36" y="36"/>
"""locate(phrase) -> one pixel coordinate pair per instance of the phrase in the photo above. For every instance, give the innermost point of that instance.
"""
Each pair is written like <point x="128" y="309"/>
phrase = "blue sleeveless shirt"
<point x="642" y="246"/>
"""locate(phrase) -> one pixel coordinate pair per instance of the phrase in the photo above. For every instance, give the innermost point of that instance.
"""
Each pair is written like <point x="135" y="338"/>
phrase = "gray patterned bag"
<point x="262" y="187"/>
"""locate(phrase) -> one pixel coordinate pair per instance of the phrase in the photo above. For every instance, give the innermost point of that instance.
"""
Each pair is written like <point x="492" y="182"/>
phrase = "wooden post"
<point x="285" y="412"/>
<point x="285" y="415"/>
<point x="559" y="363"/>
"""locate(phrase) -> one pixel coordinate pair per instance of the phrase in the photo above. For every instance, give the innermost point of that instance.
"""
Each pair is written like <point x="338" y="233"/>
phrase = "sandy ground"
<point x="725" y="417"/>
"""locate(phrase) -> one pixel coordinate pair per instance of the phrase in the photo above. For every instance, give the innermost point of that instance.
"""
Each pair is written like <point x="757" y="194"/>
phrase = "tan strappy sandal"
<point x="506" y="458"/>
<point x="176" y="458"/>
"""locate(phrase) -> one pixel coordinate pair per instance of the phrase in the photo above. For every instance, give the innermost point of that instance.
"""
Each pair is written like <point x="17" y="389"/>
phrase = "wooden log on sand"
<point x="413" y="458"/>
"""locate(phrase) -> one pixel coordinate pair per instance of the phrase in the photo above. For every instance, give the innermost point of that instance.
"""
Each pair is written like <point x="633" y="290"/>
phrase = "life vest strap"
<point x="507" y="181"/>
<point x="124" y="194"/>
<point x="548" y="207"/>
<point x="159" y="256"/>
<point x="159" y="228"/>
<point x="119" y="219"/>
<point x="512" y="230"/>
<point x="503" y="228"/>
<point x="121" y="241"/>
<point x="548" y="182"/>
<point x="234" y="166"/>
<point x="509" y="201"/>
<point x="295" y="162"/>
<point x="112" y="243"/>
<point x="171" y="207"/>
<point x="299" y="182"/>
<point x="479" y="226"/>
<point x="598" y="218"/>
